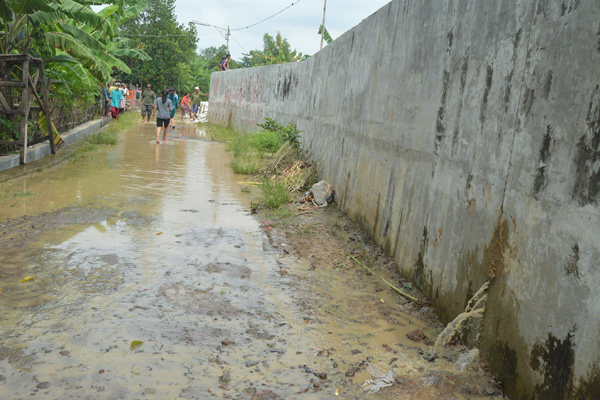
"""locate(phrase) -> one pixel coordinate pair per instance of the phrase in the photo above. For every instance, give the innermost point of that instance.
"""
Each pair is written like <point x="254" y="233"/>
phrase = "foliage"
<point x="7" y="129"/>
<point x="274" y="194"/>
<point x="244" y="165"/>
<point x="169" y="43"/>
<point x="275" y="51"/>
<point x="107" y="136"/>
<point x="267" y="141"/>
<point x="289" y="133"/>
<point x="326" y="34"/>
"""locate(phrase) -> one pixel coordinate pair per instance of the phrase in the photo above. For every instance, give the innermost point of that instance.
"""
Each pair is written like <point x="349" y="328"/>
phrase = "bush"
<point x="274" y="194"/>
<point x="267" y="141"/>
<point x="289" y="133"/>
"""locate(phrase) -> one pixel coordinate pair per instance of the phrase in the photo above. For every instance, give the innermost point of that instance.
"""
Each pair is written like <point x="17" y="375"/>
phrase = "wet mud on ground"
<point x="151" y="279"/>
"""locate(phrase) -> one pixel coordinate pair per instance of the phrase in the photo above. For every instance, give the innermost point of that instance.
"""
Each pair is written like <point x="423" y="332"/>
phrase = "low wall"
<point x="465" y="136"/>
<point x="41" y="150"/>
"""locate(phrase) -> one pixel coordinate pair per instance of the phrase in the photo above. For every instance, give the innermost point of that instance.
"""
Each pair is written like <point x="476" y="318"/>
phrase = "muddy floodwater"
<point x="139" y="272"/>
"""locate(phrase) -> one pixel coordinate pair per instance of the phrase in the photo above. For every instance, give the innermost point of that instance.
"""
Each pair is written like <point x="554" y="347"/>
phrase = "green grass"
<point x="243" y="165"/>
<point x="274" y="194"/>
<point x="266" y="141"/>
<point x="105" y="137"/>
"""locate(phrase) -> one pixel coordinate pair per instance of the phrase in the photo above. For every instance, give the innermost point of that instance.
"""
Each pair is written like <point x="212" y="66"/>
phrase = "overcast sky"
<point x="298" y="24"/>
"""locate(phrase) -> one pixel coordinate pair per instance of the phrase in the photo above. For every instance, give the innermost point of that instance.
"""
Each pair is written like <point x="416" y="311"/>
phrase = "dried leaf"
<point x="136" y="344"/>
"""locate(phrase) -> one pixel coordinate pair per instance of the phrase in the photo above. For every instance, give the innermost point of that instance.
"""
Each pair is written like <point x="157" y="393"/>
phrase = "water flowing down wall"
<point x="465" y="136"/>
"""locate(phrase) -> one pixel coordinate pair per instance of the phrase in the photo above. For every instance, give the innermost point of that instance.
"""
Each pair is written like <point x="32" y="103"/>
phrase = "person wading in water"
<point x="163" y="116"/>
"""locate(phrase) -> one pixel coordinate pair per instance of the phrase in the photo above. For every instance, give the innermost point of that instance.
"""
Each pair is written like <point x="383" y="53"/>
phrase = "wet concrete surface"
<point x="155" y="243"/>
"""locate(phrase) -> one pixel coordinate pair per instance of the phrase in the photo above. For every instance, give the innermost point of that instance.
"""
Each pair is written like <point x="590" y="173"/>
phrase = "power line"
<point x="238" y="43"/>
<point x="260" y="22"/>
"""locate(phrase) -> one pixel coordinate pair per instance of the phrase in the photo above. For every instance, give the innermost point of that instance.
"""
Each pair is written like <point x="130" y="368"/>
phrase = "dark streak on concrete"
<point x="489" y="74"/>
<point x="463" y="81"/>
<point x="572" y="267"/>
<point x="547" y="85"/>
<point x="440" y="128"/>
<point x="528" y="100"/>
<point x="555" y="359"/>
<point x="450" y="38"/>
<point x="419" y="271"/>
<point x="540" y="178"/>
<point x="587" y="182"/>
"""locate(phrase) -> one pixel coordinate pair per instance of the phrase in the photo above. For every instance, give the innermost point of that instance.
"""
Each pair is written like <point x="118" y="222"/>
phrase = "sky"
<point x="298" y="24"/>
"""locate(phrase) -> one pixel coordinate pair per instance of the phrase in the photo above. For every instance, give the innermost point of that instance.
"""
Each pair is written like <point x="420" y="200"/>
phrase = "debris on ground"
<point x="321" y="194"/>
<point x="375" y="385"/>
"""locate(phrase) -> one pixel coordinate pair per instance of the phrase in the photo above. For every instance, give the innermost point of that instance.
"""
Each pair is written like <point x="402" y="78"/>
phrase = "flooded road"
<point x="150" y="279"/>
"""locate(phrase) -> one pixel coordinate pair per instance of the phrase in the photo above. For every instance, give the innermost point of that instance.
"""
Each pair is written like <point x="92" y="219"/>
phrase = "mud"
<point x="156" y="243"/>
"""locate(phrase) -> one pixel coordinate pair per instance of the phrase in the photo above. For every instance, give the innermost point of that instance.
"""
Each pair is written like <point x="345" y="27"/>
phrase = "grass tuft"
<point x="274" y="194"/>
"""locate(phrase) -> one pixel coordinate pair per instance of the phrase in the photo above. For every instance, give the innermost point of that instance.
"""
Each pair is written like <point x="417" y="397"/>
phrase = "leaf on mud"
<point x="159" y="233"/>
<point x="136" y="344"/>
<point x="27" y="279"/>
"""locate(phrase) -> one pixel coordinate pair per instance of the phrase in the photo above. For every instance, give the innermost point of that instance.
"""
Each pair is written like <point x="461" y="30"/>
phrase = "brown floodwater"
<point x="150" y="243"/>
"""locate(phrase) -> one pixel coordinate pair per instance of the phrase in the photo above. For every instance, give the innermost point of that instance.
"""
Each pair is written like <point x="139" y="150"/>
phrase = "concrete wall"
<point x="41" y="150"/>
<point x="465" y="136"/>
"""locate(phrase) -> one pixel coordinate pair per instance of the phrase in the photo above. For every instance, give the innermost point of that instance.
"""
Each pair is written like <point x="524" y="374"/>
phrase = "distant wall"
<point x="465" y="136"/>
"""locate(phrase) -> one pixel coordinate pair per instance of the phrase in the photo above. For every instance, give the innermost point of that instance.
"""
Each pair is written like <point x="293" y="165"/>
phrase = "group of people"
<point x="114" y="95"/>
<point x="166" y="105"/>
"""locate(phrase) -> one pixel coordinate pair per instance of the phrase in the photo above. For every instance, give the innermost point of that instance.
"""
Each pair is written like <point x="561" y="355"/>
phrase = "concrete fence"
<point x="465" y="136"/>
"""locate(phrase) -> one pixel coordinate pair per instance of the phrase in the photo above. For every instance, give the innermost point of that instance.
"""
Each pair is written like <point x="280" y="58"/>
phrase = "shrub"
<point x="267" y="141"/>
<point x="274" y="194"/>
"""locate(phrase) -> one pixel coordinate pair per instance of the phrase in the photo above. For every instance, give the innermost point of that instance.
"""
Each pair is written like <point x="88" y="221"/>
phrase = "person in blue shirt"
<point x="174" y="103"/>
<point x="115" y="102"/>
<point x="225" y="62"/>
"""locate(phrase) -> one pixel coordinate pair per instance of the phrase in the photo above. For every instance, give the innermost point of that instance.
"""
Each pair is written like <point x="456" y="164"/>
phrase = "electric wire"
<point x="260" y="22"/>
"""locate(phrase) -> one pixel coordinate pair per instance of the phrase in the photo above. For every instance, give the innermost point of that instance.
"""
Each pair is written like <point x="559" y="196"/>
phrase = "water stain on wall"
<point x="540" y="178"/>
<point x="572" y="266"/>
<point x="555" y="359"/>
<point x="463" y="82"/>
<point x="440" y="128"/>
<point x="489" y="74"/>
<point x="587" y="160"/>
<point x="547" y="85"/>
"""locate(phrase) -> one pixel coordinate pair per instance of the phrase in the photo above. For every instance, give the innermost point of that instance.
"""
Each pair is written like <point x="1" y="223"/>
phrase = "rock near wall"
<point x="465" y="136"/>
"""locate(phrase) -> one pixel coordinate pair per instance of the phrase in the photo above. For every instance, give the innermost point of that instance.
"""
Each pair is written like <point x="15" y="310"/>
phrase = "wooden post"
<point x="47" y="109"/>
<point x="24" y="112"/>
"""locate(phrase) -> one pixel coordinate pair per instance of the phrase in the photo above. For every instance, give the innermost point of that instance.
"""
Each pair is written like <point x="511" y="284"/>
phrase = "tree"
<point x="275" y="51"/>
<point x="167" y="42"/>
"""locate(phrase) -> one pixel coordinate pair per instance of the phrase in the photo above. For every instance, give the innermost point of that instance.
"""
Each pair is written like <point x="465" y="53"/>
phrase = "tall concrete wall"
<point x="465" y="136"/>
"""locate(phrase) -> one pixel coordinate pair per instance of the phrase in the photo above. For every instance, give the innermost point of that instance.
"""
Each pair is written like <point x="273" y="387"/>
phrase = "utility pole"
<point x="227" y="36"/>
<point x="323" y="26"/>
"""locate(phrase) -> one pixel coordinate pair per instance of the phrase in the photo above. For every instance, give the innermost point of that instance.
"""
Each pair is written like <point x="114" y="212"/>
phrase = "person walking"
<point x="163" y="106"/>
<point x="196" y="100"/>
<point x="116" y="96"/>
<point x="185" y="106"/>
<point x="224" y="66"/>
<point x="106" y="97"/>
<point x="125" y="92"/>
<point x="175" y="103"/>
<point x="148" y="100"/>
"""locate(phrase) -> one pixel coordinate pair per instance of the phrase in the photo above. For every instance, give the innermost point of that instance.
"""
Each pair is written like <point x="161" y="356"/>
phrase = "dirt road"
<point x="139" y="272"/>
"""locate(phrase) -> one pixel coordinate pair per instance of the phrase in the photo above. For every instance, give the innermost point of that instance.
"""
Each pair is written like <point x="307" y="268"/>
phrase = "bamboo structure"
<point x="17" y="96"/>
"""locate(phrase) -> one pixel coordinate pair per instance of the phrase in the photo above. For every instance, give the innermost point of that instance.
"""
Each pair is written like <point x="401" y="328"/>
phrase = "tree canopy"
<point x="171" y="45"/>
<point x="275" y="51"/>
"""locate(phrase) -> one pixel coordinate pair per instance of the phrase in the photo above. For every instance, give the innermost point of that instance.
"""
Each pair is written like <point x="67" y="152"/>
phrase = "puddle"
<point x="154" y="243"/>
